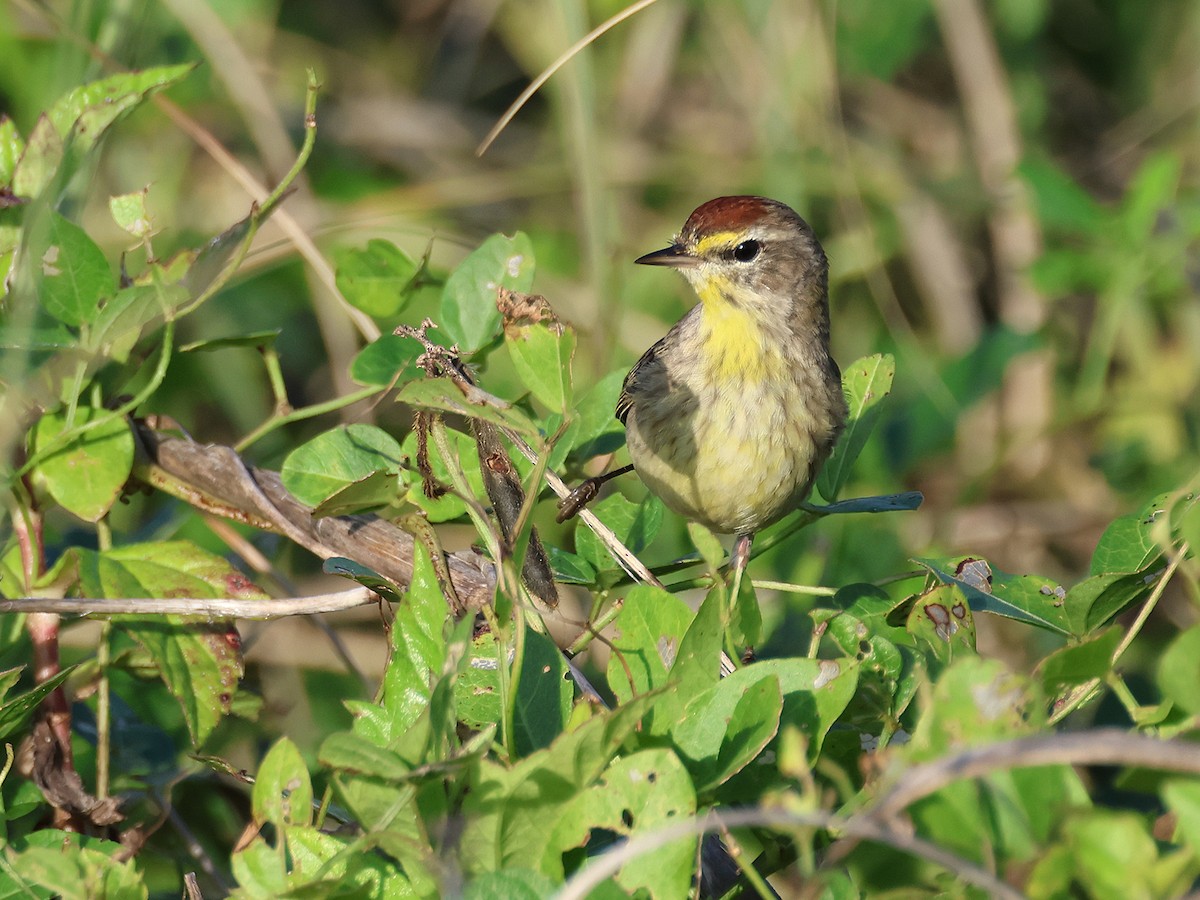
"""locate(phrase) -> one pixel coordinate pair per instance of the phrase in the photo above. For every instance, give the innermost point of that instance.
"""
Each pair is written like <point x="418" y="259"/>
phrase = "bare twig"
<point x="610" y="863"/>
<point x="1096" y="747"/>
<point x="216" y="608"/>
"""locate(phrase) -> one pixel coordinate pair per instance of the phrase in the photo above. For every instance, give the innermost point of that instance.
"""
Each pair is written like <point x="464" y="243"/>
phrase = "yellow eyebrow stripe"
<point x="720" y="239"/>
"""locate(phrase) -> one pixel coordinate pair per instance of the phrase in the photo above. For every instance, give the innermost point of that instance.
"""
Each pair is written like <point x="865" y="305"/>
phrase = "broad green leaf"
<point x="1152" y="191"/>
<point x="1182" y="797"/>
<point x="569" y="568"/>
<point x="708" y="545"/>
<point x="11" y="148"/>
<point x="74" y="868"/>
<point x="745" y="617"/>
<point x="448" y="506"/>
<point x="511" y="884"/>
<point x="544" y="691"/>
<point x="1080" y="663"/>
<point x="119" y="325"/>
<point x="99" y="104"/>
<point x="16" y="712"/>
<point x="1095" y="601"/>
<point x="199" y="660"/>
<point x="377" y="280"/>
<point x="975" y="701"/>
<point x="129" y="211"/>
<point x="1179" y="671"/>
<point x="596" y="427"/>
<point x="867" y="383"/>
<point x="1127" y="545"/>
<point x="391" y="358"/>
<point x="727" y="727"/>
<point x="321" y="467"/>
<point x="646" y="640"/>
<point x="542" y="357"/>
<point x="941" y="619"/>
<point x="379" y="489"/>
<point x="419" y="647"/>
<point x="282" y="792"/>
<point x="75" y="276"/>
<point x="638" y="794"/>
<point x="348" y="752"/>
<point x="510" y="811"/>
<point x="441" y="394"/>
<point x="634" y="524"/>
<point x="343" y="872"/>
<point x="39" y="161"/>
<point x="260" y="869"/>
<point x="85" y="475"/>
<point x="1114" y="853"/>
<point x="1062" y="204"/>
<point x="469" y="313"/>
<point x="1026" y="598"/>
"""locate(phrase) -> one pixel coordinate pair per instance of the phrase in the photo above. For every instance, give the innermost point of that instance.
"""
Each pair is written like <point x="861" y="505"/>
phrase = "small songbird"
<point x="730" y="416"/>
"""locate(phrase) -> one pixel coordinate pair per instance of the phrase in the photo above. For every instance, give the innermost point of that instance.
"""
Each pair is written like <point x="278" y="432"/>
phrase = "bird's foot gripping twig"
<point x="584" y="493"/>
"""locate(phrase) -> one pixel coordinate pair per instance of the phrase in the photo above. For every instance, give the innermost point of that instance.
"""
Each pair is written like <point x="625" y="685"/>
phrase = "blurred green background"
<point x="1008" y="193"/>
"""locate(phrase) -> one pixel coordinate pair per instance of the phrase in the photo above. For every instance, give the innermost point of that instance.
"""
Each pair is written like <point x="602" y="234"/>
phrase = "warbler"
<point x="730" y="416"/>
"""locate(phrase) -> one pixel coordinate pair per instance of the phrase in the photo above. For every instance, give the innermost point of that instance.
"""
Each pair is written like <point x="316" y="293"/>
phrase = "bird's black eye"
<point x="746" y="251"/>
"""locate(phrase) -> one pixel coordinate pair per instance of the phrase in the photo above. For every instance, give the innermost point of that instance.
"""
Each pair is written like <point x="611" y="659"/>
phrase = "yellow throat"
<point x="733" y="340"/>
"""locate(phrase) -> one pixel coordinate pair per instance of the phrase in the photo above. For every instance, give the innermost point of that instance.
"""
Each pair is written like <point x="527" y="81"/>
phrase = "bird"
<point x="730" y="416"/>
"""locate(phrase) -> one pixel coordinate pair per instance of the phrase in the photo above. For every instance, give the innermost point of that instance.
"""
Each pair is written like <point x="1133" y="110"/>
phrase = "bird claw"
<point x="583" y="494"/>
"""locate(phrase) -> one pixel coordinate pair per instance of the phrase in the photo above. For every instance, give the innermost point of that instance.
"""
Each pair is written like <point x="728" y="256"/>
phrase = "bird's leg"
<point x="738" y="560"/>
<point x="584" y="493"/>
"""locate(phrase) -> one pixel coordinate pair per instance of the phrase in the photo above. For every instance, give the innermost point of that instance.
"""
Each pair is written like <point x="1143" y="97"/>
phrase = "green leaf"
<point x="638" y="794"/>
<point x="511" y="884"/>
<point x="319" y="468"/>
<point x="542" y="357"/>
<point x="379" y="489"/>
<point x="75" y="276"/>
<point x="646" y="641"/>
<point x="95" y="106"/>
<point x="1128" y="544"/>
<point x="16" y="712"/>
<point x="1080" y="663"/>
<point x="1095" y="601"/>
<point x="11" y="148"/>
<point x="1179" y="671"/>
<point x="85" y="475"/>
<point x="569" y="568"/>
<point x="1182" y="797"/>
<point x="40" y="160"/>
<point x="441" y="394"/>
<point x="199" y="660"/>
<point x="745" y="617"/>
<point x="727" y="727"/>
<point x="1026" y="598"/>
<point x="941" y="619"/>
<point x="391" y="358"/>
<point x="596" y="427"/>
<point x="419" y="647"/>
<point x="119" y="325"/>
<point x="469" y="311"/>
<point x="326" y="865"/>
<point x="283" y="792"/>
<point x="348" y="568"/>
<point x="129" y="211"/>
<point x="634" y="524"/>
<point x="867" y="383"/>
<point x="544" y="691"/>
<point x="253" y="340"/>
<point x="975" y="701"/>
<point x="1114" y="853"/>
<point x="708" y="545"/>
<point x="377" y="280"/>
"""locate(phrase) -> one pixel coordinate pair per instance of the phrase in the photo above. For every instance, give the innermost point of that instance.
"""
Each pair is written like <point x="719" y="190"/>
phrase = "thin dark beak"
<point x="674" y="256"/>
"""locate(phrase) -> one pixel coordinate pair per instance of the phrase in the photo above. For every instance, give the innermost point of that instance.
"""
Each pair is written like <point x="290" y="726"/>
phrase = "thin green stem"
<point x="299" y="415"/>
<point x="103" y="712"/>
<point x="816" y="589"/>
